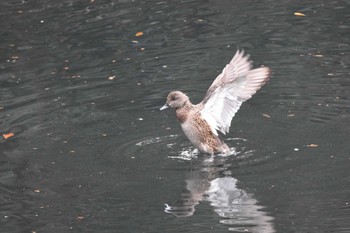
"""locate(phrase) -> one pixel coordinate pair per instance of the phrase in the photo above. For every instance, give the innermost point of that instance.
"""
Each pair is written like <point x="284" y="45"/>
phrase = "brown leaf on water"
<point x="312" y="145"/>
<point x="299" y="14"/>
<point x="138" y="34"/>
<point x="8" y="135"/>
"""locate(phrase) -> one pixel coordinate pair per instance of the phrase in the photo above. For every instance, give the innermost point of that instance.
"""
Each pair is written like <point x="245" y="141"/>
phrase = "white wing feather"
<point x="236" y="84"/>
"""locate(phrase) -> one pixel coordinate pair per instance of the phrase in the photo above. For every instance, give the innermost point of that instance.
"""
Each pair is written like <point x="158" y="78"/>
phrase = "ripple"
<point x="156" y="140"/>
<point x="242" y="151"/>
<point x="143" y="147"/>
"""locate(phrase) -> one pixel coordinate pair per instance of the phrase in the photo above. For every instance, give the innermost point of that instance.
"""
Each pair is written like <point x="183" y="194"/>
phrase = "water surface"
<point x="92" y="153"/>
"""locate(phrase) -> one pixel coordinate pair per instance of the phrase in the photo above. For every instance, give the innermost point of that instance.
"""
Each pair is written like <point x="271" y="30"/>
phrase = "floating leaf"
<point x="8" y="135"/>
<point x="138" y="34"/>
<point x="299" y="14"/>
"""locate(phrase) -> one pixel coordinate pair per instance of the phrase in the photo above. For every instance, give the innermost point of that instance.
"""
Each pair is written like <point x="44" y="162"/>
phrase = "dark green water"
<point x="92" y="153"/>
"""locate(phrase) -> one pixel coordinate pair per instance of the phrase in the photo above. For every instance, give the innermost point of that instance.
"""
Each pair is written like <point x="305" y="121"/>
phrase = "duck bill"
<point x="164" y="107"/>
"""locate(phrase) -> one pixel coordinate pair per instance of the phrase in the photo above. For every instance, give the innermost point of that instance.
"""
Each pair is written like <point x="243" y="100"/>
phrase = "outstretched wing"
<point x="236" y="84"/>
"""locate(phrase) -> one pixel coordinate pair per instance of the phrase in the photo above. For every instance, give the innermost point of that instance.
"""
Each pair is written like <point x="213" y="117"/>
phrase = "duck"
<point x="202" y="122"/>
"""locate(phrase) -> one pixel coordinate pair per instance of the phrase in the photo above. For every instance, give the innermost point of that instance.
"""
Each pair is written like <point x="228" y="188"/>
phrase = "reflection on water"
<point x="212" y="182"/>
<point x="238" y="208"/>
<point x="79" y="91"/>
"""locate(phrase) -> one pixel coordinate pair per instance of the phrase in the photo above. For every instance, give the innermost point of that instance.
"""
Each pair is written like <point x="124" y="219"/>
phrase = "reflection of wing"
<point x="239" y="209"/>
<point x="236" y="84"/>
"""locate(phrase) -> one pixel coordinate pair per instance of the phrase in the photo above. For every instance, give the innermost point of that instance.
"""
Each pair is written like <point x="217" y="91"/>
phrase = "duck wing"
<point x="236" y="84"/>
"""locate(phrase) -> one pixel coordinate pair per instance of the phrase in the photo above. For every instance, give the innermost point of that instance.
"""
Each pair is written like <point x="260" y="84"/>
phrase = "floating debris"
<point x="79" y="218"/>
<point x="138" y="34"/>
<point x="8" y="135"/>
<point x="299" y="14"/>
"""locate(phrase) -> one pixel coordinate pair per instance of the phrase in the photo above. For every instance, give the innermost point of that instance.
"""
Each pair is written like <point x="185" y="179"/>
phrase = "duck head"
<point x="175" y="99"/>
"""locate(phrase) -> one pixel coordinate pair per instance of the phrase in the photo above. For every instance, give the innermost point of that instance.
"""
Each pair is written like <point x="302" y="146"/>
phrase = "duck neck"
<point x="183" y="112"/>
<point x="186" y="105"/>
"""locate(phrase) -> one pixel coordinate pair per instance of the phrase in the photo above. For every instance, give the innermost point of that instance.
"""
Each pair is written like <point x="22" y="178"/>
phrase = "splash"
<point x="186" y="154"/>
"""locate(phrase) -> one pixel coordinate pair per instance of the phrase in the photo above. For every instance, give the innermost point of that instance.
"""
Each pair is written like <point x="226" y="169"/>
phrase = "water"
<point x="91" y="152"/>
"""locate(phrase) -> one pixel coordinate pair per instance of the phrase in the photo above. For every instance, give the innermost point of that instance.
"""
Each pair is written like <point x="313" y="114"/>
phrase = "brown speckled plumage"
<point x="236" y="84"/>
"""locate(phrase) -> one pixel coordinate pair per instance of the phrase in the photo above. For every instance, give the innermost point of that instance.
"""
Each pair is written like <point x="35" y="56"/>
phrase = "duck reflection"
<point x="211" y="181"/>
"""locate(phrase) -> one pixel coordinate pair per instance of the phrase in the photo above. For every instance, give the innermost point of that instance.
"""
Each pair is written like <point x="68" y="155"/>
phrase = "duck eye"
<point x="173" y="98"/>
